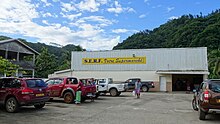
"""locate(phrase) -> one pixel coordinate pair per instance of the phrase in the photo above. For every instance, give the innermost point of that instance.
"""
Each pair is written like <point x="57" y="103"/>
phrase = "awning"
<point x="181" y="72"/>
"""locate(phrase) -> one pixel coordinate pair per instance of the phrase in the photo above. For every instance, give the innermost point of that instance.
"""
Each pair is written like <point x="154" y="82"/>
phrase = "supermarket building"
<point x="172" y="69"/>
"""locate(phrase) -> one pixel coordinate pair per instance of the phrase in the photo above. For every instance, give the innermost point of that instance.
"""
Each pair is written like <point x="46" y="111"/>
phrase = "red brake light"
<point x="27" y="91"/>
<point x="152" y="83"/>
<point x="206" y="95"/>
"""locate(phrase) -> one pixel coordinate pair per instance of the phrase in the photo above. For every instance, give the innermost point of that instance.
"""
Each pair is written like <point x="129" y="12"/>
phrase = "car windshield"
<point x="215" y="86"/>
<point x="32" y="83"/>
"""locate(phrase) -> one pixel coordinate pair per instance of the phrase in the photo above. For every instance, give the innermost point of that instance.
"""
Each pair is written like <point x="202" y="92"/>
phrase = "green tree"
<point x="6" y="67"/>
<point x="46" y="63"/>
<point x="214" y="63"/>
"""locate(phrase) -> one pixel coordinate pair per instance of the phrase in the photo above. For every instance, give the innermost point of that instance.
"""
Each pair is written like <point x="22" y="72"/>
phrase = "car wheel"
<point x="113" y="92"/>
<point x="119" y="93"/>
<point x="194" y="106"/>
<point x="202" y="114"/>
<point x="39" y="106"/>
<point x="68" y="97"/>
<point x="11" y="105"/>
<point x="97" y="95"/>
<point x="145" y="88"/>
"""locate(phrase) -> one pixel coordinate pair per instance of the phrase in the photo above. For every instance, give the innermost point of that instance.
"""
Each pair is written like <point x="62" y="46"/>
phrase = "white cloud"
<point x="142" y="16"/>
<point x="173" y="17"/>
<point x="117" y="9"/>
<point x="170" y="9"/>
<point x="67" y="7"/>
<point x="45" y="22"/>
<point x="103" y="1"/>
<point x="55" y="0"/>
<point x="17" y="18"/>
<point x="89" y="5"/>
<point x="100" y="43"/>
<point x="129" y="9"/>
<point x="19" y="11"/>
<point x="47" y="14"/>
<point x="98" y="21"/>
<point x="118" y="31"/>
<point x="71" y="17"/>
<point x="46" y="3"/>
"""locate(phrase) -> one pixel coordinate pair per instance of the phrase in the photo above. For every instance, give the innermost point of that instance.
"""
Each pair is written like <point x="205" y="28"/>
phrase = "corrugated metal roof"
<point x="18" y="41"/>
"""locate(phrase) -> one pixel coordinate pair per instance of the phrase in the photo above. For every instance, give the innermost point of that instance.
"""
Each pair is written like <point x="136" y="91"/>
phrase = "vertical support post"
<point x="33" y="73"/>
<point x="18" y="54"/>
<point x="6" y="52"/>
<point x="33" y="65"/>
<point x="33" y="59"/>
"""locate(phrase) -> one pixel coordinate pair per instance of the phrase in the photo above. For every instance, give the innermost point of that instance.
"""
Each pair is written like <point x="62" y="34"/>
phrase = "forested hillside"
<point x="186" y="31"/>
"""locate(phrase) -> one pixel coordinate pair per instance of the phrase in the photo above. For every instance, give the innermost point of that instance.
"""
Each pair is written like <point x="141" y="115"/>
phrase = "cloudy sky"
<point x="93" y="24"/>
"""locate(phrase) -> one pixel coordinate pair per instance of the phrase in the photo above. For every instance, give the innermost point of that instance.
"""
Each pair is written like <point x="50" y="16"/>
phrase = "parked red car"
<point x="16" y="92"/>
<point x="206" y="99"/>
<point x="66" y="88"/>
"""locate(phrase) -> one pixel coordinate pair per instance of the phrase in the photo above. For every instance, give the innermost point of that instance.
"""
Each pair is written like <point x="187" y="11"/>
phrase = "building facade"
<point x="172" y="69"/>
<point x="20" y="54"/>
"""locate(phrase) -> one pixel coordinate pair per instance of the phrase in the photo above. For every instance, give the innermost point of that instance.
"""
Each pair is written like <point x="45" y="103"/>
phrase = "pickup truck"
<point x="66" y="88"/>
<point x="146" y="85"/>
<point x="106" y="85"/>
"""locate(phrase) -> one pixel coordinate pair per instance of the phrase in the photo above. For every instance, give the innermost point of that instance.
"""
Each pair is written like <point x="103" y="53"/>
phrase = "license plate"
<point x="218" y="100"/>
<point x="39" y="94"/>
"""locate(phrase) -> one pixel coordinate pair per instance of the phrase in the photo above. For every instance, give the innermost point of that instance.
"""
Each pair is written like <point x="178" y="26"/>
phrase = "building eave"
<point x="182" y="72"/>
<point x="20" y="42"/>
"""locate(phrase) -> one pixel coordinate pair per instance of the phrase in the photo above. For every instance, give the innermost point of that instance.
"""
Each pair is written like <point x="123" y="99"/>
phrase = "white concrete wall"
<point x="118" y="75"/>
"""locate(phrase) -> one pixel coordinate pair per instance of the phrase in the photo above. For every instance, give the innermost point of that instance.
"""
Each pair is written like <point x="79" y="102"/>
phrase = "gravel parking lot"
<point x="151" y="108"/>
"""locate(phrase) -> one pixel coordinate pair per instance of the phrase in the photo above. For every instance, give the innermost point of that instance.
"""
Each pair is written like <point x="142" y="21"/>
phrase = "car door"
<point x="55" y="87"/>
<point x="132" y="83"/>
<point x="102" y="85"/>
<point x="73" y="84"/>
<point x="129" y="81"/>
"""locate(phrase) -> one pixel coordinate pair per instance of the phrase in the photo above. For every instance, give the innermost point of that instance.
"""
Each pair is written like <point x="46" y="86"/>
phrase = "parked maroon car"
<point x="206" y="99"/>
<point x="16" y="92"/>
<point x="66" y="87"/>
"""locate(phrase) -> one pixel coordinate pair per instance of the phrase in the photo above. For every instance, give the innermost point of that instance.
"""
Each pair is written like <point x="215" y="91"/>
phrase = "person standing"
<point x="78" y="93"/>
<point x="138" y="88"/>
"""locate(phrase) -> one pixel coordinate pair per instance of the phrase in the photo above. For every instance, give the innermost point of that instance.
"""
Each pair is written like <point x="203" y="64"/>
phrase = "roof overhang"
<point x="182" y="72"/>
<point x="20" y="42"/>
<point x="63" y="71"/>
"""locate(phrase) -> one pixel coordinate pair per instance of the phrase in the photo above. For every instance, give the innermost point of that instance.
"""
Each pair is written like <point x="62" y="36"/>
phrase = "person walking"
<point x="138" y="88"/>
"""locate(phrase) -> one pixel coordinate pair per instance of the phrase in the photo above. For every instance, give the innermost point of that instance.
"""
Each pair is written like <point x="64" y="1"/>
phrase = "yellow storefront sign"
<point x="118" y="60"/>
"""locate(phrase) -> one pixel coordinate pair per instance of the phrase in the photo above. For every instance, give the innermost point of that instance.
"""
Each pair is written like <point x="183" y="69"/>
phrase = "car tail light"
<point x="27" y="91"/>
<point x="152" y="83"/>
<point x="206" y="95"/>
